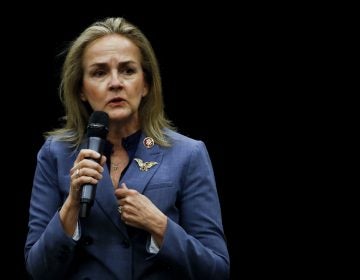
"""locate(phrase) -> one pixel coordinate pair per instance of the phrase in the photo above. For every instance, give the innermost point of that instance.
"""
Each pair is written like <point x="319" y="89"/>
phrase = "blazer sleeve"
<point x="197" y="244"/>
<point x="48" y="250"/>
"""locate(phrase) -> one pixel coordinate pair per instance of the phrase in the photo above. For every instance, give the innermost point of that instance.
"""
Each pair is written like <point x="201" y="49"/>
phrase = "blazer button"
<point x="126" y="243"/>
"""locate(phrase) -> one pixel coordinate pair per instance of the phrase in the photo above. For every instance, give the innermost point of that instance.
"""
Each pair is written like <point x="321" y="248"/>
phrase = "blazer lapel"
<point x="134" y="178"/>
<point x="106" y="199"/>
<point x="137" y="179"/>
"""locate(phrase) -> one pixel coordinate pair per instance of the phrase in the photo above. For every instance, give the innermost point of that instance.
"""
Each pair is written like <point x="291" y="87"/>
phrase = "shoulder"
<point x="187" y="149"/>
<point x="53" y="145"/>
<point x="178" y="138"/>
<point x="183" y="142"/>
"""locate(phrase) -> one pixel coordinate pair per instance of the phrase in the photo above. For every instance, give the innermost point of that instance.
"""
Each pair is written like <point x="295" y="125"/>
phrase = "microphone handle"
<point x="88" y="191"/>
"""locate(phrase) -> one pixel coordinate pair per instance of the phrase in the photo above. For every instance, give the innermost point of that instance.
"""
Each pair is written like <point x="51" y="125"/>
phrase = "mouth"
<point x="116" y="101"/>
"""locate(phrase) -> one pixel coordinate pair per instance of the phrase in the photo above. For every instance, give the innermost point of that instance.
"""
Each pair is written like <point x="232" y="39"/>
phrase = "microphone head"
<point x="98" y="125"/>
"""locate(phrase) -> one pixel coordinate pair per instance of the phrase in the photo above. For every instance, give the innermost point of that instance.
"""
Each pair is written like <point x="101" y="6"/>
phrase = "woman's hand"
<point x="138" y="211"/>
<point x="86" y="170"/>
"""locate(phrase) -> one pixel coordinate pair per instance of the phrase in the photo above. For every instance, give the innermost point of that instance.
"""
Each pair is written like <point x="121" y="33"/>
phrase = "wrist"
<point x="69" y="214"/>
<point x="158" y="229"/>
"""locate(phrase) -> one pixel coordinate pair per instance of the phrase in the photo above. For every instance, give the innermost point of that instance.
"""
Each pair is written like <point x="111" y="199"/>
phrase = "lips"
<point x="116" y="100"/>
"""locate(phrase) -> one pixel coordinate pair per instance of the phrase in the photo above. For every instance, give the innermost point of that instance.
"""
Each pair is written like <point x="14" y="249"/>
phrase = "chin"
<point x="118" y="115"/>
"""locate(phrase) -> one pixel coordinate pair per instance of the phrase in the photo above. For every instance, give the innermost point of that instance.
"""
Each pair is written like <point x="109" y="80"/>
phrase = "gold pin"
<point x="148" y="142"/>
<point x="144" y="166"/>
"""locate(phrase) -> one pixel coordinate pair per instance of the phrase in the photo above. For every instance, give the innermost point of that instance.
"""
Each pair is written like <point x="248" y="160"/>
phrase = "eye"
<point x="98" y="73"/>
<point x="129" y="71"/>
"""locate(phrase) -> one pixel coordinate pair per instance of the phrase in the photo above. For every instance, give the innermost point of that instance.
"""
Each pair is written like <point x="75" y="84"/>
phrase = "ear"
<point x="145" y="91"/>
<point x="82" y="96"/>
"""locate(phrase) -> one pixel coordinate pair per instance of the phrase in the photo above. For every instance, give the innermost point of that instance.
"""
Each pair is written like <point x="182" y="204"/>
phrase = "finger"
<point x="123" y="192"/>
<point x="86" y="180"/>
<point x="89" y="163"/>
<point x="88" y="153"/>
<point x="120" y="193"/>
<point x="127" y="190"/>
<point x="103" y="160"/>
<point x="74" y="169"/>
<point x="89" y="172"/>
<point x="76" y="173"/>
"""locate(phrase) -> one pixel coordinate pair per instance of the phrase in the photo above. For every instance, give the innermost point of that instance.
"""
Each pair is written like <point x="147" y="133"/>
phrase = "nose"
<point x="115" y="81"/>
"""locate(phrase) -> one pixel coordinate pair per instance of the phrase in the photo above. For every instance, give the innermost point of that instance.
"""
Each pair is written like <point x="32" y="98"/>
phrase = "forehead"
<point x="111" y="45"/>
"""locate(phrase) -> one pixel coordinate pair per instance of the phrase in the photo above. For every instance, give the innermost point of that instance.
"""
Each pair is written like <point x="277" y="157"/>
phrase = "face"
<point x="113" y="79"/>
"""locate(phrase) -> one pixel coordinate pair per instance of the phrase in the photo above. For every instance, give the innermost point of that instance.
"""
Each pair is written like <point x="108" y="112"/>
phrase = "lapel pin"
<point x="144" y="166"/>
<point x="148" y="142"/>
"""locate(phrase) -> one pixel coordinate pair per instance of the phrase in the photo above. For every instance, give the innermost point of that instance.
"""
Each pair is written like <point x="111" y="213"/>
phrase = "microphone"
<point x="97" y="130"/>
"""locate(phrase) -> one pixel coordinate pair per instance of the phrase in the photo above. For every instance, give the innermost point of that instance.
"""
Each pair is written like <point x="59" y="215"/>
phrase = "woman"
<point x="156" y="213"/>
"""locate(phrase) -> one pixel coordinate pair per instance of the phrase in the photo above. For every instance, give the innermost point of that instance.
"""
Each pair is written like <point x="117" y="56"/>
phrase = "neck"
<point x="117" y="133"/>
<point x="118" y="158"/>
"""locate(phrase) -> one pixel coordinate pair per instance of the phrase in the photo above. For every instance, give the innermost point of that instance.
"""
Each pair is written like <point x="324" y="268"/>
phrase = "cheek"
<point x="139" y="97"/>
<point x="94" y="99"/>
<point x="138" y="93"/>
<point x="92" y="93"/>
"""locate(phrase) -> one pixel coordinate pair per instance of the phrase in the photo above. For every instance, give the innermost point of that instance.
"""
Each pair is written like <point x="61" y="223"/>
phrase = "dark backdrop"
<point x="243" y="78"/>
<point x="204" y="61"/>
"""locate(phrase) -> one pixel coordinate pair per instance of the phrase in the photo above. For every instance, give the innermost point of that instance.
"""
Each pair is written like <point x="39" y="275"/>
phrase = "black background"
<point x="198" y="57"/>
<point x="224" y="71"/>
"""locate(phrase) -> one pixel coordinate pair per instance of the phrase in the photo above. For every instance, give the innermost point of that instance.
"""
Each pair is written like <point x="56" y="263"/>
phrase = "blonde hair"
<point x="151" y="110"/>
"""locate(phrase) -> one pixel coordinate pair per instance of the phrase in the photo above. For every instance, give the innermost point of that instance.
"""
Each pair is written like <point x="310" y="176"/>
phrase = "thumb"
<point x="127" y="190"/>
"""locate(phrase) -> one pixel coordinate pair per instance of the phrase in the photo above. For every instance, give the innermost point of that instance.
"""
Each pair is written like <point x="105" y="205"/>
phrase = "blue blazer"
<point x="181" y="185"/>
